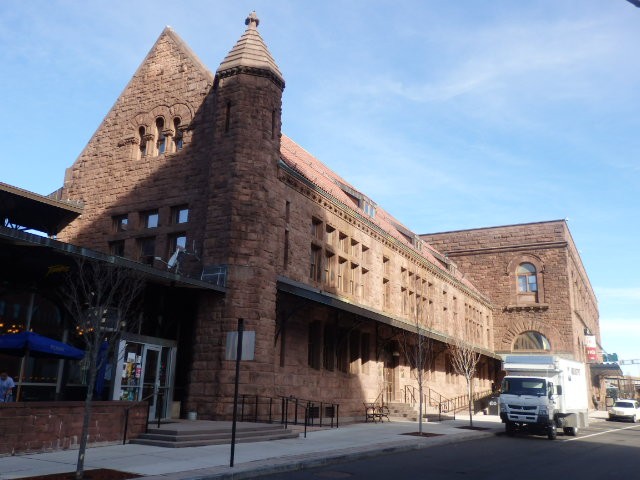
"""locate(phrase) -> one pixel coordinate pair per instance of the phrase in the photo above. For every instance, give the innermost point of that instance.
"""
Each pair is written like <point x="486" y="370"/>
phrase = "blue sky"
<point x="449" y="114"/>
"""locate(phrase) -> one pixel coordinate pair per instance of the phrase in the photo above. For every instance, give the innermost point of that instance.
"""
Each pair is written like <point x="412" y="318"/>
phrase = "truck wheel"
<point x="510" y="428"/>
<point x="552" y="432"/>
<point x="571" y="431"/>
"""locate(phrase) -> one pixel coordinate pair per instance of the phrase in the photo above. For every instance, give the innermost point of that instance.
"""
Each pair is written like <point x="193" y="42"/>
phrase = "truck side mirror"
<point x="559" y="389"/>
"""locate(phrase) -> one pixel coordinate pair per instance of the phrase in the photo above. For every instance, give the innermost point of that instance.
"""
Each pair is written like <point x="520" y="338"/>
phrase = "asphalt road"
<point x="605" y="450"/>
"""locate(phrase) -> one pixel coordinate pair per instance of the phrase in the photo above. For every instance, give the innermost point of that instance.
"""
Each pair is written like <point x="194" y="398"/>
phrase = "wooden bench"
<point x="375" y="412"/>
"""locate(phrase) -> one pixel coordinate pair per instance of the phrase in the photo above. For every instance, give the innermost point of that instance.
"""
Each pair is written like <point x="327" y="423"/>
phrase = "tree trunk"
<point x="84" y="436"/>
<point x="420" y="405"/>
<point x="470" y="402"/>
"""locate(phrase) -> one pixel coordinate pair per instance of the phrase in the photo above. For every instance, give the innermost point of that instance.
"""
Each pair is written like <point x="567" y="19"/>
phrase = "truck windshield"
<point x="524" y="386"/>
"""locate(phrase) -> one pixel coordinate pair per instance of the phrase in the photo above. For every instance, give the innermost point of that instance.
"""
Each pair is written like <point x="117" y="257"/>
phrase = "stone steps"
<point x="197" y="434"/>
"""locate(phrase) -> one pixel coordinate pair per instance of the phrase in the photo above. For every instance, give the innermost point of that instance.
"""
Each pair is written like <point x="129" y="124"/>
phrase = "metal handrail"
<point x="288" y="409"/>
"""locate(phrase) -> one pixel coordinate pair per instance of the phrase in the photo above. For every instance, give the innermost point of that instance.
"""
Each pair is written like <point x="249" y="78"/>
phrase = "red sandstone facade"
<point x="326" y="279"/>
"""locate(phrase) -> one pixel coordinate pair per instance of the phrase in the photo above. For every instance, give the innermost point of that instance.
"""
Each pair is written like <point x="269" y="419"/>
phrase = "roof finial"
<point x="252" y="20"/>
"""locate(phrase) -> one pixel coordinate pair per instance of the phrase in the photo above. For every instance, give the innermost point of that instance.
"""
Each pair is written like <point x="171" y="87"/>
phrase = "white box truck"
<point x="541" y="393"/>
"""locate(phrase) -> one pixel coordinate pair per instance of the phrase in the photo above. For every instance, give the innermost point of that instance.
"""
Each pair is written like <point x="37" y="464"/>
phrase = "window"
<point x="179" y="139"/>
<point x="180" y="214"/>
<point x="386" y="293"/>
<point x="331" y="234"/>
<point x="314" y="271"/>
<point x="368" y="208"/>
<point x="531" y="341"/>
<point x="329" y="348"/>
<point x="117" y="248"/>
<point x="143" y="141"/>
<point x="316" y="228"/>
<point x="365" y="351"/>
<point x="147" y="250"/>
<point x="344" y="242"/>
<point x="527" y="278"/>
<point x="329" y="268"/>
<point x="314" y="345"/>
<point x="385" y="265"/>
<point x="177" y="241"/>
<point x="354" y="279"/>
<point x="150" y="219"/>
<point x="120" y="223"/>
<point x="365" y="254"/>
<point x="342" y="274"/>
<point x="355" y="250"/>
<point x="161" y="140"/>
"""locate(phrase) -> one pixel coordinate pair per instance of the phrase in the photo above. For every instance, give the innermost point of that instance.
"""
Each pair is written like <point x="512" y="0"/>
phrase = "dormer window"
<point x="368" y="208"/>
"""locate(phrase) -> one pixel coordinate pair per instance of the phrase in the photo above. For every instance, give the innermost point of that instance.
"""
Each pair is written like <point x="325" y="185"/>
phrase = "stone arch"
<point x="527" y="325"/>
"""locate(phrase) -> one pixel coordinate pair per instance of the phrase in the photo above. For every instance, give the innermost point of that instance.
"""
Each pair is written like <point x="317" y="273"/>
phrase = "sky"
<point x="448" y="114"/>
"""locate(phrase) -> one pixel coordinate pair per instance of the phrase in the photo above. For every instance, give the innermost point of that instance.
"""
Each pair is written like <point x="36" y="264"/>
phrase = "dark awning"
<point x="605" y="369"/>
<point x="325" y="298"/>
<point x="31" y="259"/>
<point x="34" y="211"/>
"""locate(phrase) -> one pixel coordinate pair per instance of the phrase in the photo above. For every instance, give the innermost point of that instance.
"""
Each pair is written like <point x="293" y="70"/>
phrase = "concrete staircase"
<point x="402" y="411"/>
<point x="199" y="433"/>
<point x="406" y="412"/>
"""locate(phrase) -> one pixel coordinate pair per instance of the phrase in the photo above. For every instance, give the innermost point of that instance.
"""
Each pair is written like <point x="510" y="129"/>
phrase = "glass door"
<point x="151" y="378"/>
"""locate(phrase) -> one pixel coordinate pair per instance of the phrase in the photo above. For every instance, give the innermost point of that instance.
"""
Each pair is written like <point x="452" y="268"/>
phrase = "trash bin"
<point x="494" y="407"/>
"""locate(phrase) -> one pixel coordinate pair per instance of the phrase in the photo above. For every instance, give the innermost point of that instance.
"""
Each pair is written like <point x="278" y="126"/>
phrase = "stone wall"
<point x="489" y="258"/>
<point x="46" y="426"/>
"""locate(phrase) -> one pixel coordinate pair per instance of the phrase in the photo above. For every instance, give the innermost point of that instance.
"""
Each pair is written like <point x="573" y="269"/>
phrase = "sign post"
<point x="235" y="393"/>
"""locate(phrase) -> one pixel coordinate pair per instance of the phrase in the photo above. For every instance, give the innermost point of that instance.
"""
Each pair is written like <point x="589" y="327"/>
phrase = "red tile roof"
<point x="320" y="175"/>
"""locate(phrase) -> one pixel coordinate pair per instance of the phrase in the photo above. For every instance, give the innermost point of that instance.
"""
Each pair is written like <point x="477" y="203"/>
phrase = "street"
<point x="605" y="450"/>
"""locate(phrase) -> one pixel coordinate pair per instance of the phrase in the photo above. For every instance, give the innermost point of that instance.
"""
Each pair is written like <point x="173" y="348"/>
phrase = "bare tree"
<point x="100" y="298"/>
<point x="418" y="350"/>
<point x="465" y="359"/>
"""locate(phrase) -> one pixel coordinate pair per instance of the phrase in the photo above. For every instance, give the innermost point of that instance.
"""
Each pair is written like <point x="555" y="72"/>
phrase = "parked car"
<point x="625" y="410"/>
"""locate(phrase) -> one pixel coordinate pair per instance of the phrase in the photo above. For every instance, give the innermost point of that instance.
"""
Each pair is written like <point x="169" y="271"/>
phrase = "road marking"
<point x="601" y="433"/>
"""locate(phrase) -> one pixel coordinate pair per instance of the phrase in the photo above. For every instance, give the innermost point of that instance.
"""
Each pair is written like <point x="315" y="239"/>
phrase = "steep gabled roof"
<point x="250" y="52"/>
<point x="330" y="182"/>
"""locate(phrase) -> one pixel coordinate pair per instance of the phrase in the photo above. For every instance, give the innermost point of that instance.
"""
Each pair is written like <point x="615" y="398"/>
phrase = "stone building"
<point x="189" y="171"/>
<point x="542" y="299"/>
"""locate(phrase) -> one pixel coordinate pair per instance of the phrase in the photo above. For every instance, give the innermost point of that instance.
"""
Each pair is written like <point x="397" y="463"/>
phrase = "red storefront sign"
<point x="590" y="346"/>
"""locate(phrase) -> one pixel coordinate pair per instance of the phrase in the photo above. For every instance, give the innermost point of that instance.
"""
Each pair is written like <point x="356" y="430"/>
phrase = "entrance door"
<point x="146" y="367"/>
<point x="150" y="380"/>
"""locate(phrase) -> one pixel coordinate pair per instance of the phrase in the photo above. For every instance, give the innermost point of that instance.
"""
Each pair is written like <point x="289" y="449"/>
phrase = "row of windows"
<point x="338" y="272"/>
<point x="162" y="138"/>
<point x="341" y="241"/>
<point x="342" y="349"/>
<point x="146" y="247"/>
<point x="151" y="218"/>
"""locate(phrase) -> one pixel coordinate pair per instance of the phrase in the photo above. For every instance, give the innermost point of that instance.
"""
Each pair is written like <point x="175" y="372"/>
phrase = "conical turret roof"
<point x="250" y="52"/>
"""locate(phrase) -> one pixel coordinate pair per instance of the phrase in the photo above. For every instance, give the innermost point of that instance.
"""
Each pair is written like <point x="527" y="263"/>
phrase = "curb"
<point x="306" y="461"/>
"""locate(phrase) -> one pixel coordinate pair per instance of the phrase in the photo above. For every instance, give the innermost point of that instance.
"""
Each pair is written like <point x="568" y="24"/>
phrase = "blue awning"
<point x="18" y="344"/>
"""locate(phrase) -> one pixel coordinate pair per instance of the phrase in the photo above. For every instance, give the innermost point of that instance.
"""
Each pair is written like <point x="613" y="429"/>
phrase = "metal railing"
<point x="442" y="404"/>
<point x="289" y="410"/>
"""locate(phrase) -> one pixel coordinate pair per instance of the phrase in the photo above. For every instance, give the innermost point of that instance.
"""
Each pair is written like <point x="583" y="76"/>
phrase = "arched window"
<point x="161" y="140"/>
<point x="527" y="278"/>
<point x="531" y="341"/>
<point x="143" y="141"/>
<point x="178" y="134"/>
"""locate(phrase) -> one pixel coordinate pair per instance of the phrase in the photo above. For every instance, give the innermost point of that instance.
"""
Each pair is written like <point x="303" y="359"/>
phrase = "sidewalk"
<point x="321" y="447"/>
